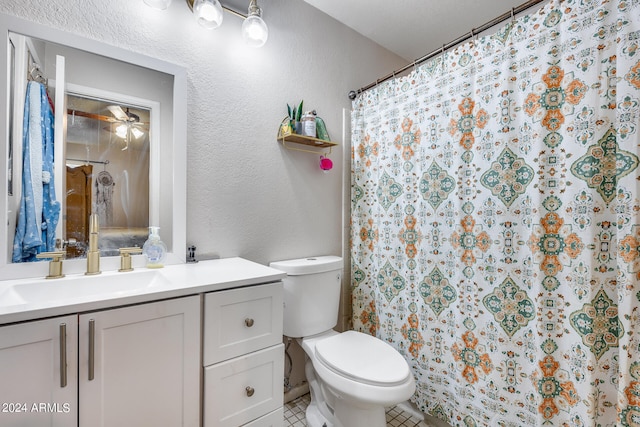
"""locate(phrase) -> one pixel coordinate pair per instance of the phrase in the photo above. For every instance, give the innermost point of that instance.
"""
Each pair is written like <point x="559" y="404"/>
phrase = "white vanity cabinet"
<point x="129" y="366"/>
<point x="140" y="365"/>
<point x="38" y="373"/>
<point x="188" y="345"/>
<point x="243" y="357"/>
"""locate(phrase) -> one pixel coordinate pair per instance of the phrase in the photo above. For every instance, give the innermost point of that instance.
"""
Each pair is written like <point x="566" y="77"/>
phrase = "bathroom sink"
<point x="82" y="287"/>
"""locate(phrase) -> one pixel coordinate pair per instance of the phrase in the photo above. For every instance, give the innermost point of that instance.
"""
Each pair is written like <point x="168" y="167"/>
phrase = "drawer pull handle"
<point x="249" y="322"/>
<point x="250" y="390"/>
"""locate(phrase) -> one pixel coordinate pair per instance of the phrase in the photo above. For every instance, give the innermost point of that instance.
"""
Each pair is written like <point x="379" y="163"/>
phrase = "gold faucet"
<point x="125" y="258"/>
<point x="55" y="265"/>
<point x="93" y="256"/>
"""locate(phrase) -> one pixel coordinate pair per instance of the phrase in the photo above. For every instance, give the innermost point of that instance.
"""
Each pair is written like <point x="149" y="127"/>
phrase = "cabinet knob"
<point x="249" y="391"/>
<point x="249" y="322"/>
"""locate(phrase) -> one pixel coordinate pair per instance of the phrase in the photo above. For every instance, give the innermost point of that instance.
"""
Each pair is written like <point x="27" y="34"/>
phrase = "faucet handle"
<point x="55" y="265"/>
<point x="125" y="257"/>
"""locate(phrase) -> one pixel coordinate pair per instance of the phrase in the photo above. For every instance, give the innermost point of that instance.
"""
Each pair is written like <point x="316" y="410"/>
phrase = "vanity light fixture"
<point x="209" y="14"/>
<point x="254" y="30"/>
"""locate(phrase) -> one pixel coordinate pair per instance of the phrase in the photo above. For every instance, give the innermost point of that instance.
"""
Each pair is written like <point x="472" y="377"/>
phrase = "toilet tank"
<point x="311" y="294"/>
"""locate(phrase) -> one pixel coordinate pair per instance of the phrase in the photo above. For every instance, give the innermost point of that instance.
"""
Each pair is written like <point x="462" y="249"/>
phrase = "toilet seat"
<point x="363" y="358"/>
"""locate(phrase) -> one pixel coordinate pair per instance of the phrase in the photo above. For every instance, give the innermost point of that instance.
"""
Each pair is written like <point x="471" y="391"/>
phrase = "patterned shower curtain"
<point x="496" y="221"/>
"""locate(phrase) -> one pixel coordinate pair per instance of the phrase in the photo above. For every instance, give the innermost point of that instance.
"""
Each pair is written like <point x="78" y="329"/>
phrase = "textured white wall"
<point x="247" y="196"/>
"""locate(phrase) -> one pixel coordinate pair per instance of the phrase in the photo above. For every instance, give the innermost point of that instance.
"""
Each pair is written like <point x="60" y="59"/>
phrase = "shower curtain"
<point x="496" y="221"/>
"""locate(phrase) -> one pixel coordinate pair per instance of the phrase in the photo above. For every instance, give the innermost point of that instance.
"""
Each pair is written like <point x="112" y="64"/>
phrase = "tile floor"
<point x="294" y="415"/>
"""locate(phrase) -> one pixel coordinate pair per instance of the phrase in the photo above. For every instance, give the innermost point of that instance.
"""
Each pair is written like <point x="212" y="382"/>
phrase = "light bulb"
<point x="208" y="13"/>
<point x="158" y="4"/>
<point x="254" y="31"/>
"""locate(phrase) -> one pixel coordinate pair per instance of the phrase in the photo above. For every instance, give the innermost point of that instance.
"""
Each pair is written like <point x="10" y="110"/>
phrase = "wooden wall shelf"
<point x="305" y="140"/>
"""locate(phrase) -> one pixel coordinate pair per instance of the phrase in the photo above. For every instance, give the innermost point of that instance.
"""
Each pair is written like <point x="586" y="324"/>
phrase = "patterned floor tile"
<point x="294" y="415"/>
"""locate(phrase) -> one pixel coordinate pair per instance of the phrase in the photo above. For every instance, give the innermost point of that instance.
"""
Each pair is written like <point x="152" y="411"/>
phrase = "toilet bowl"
<point x="361" y="376"/>
<point x="352" y="376"/>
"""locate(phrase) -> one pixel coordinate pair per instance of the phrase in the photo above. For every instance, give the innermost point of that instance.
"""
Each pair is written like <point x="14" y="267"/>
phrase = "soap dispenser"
<point x="154" y="249"/>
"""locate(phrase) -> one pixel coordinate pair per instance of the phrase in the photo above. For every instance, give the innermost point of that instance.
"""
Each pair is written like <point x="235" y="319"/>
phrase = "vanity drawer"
<point x="240" y="321"/>
<point x="241" y="390"/>
<point x="274" y="419"/>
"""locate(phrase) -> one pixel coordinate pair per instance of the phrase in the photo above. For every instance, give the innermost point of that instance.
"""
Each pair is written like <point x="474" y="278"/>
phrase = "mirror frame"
<point x="173" y="198"/>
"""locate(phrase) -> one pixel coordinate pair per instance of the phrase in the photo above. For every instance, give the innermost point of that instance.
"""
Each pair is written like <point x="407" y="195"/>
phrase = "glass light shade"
<point x="121" y="131"/>
<point x="158" y="4"/>
<point x="254" y="31"/>
<point x="208" y="13"/>
<point x="137" y="133"/>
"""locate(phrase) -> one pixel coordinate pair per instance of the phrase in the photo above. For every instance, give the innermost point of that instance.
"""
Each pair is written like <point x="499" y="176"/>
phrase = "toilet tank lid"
<point x="310" y="265"/>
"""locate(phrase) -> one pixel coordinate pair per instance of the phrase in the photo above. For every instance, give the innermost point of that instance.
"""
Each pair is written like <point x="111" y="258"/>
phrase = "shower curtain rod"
<point x="474" y="31"/>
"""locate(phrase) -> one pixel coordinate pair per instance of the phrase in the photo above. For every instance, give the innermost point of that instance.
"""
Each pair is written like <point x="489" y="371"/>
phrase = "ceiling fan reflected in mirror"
<point x="129" y="126"/>
<point x="124" y="124"/>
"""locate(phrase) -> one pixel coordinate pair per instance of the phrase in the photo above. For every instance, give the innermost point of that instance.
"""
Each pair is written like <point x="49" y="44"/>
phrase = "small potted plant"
<point x="295" y="115"/>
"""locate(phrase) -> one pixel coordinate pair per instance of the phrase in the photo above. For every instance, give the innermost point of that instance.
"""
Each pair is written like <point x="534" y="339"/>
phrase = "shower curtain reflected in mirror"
<point x="496" y="221"/>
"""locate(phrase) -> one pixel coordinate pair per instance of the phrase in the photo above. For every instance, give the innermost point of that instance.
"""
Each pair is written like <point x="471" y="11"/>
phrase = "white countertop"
<point x="168" y="282"/>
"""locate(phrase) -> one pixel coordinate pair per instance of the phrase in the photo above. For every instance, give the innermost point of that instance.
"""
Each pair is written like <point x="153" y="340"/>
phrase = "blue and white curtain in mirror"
<point x="39" y="210"/>
<point x="496" y="221"/>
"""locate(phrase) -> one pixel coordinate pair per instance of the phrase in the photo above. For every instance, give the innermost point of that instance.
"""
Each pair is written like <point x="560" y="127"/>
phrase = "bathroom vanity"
<point x="148" y="351"/>
<point x="184" y="345"/>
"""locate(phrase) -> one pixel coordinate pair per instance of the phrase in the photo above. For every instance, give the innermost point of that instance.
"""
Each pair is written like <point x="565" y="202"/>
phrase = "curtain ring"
<point x="513" y="15"/>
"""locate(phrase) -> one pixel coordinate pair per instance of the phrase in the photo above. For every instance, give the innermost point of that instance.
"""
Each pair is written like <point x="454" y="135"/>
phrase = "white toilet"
<point x="352" y="376"/>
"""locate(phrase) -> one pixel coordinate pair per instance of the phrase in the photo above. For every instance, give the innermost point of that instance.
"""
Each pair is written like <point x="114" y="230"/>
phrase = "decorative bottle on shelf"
<point x="309" y="124"/>
<point x="154" y="249"/>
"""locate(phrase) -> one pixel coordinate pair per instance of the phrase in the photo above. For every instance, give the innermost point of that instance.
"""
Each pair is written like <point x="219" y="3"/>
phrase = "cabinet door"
<point x="38" y="373"/>
<point x="139" y="366"/>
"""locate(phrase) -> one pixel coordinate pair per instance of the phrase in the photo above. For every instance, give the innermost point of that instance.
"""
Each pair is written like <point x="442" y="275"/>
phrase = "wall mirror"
<point x="119" y="138"/>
